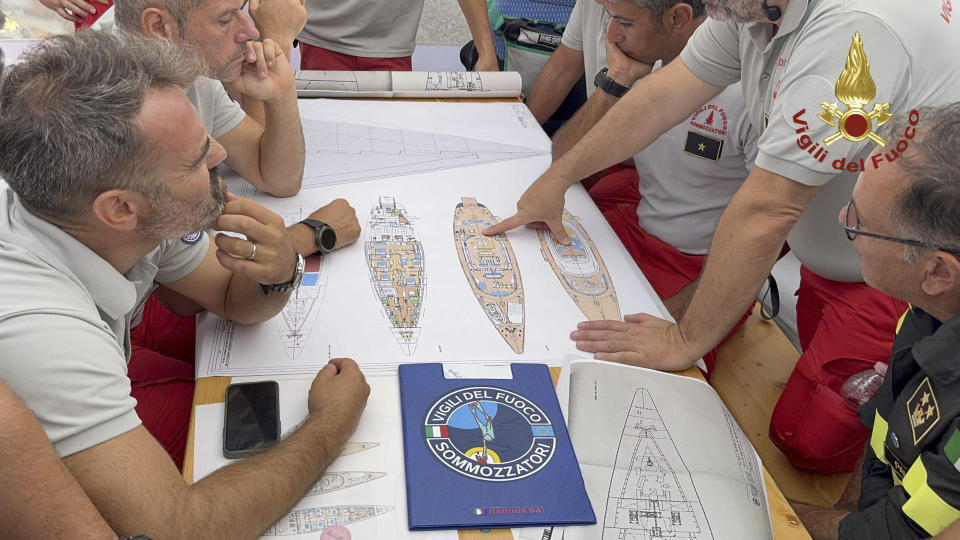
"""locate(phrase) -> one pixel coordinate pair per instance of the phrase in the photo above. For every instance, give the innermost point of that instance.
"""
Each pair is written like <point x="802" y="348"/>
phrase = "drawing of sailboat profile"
<point x="296" y="320"/>
<point x="333" y="481"/>
<point x="581" y="270"/>
<point x="395" y="259"/>
<point x="314" y="520"/>
<point x="491" y="269"/>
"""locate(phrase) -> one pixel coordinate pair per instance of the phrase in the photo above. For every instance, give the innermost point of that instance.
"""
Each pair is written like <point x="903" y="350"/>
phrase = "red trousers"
<point x="161" y="372"/>
<point x="667" y="269"/>
<point x="844" y="328"/>
<point x="313" y="57"/>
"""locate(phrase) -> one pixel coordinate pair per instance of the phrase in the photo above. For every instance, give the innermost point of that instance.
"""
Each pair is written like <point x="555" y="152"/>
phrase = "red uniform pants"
<point x="667" y="269"/>
<point x="844" y="328"/>
<point x="161" y="372"/>
<point x="313" y="57"/>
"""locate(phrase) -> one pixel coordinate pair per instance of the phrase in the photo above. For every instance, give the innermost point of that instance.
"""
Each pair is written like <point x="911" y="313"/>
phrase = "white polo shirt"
<point x="367" y="28"/>
<point x="64" y="324"/>
<point x="690" y="173"/>
<point x="217" y="111"/>
<point x="911" y="47"/>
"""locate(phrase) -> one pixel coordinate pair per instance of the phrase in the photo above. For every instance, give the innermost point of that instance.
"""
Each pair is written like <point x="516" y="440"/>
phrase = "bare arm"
<point x="648" y="110"/>
<point x="824" y="523"/>
<point x="40" y="499"/>
<point x="269" y="155"/>
<point x="621" y="69"/>
<point x="554" y="82"/>
<point x="475" y="12"/>
<point x="138" y="489"/>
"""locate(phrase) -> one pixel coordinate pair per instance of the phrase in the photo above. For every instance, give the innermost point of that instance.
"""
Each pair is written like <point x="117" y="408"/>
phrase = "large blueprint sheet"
<point x="420" y="285"/>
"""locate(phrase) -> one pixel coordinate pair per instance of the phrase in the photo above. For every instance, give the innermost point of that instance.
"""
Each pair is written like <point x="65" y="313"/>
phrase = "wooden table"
<point x="786" y="525"/>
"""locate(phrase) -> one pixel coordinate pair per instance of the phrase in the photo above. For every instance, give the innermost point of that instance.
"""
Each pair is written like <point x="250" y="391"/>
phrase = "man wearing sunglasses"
<point x="904" y="221"/>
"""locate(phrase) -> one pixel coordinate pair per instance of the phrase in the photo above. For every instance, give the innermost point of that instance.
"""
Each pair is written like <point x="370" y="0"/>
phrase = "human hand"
<point x="71" y="10"/>
<point x="342" y="218"/>
<point x="273" y="258"/>
<point x="487" y="62"/>
<point x="638" y="340"/>
<point x="279" y="20"/>
<point x="540" y="207"/>
<point x="623" y="69"/>
<point x="266" y="72"/>
<point x="337" y="397"/>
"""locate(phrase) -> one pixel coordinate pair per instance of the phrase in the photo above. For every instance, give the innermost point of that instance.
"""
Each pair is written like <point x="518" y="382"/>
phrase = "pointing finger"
<point x="508" y="224"/>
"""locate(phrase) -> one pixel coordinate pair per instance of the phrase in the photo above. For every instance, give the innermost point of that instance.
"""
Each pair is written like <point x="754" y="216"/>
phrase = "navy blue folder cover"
<point x="488" y="452"/>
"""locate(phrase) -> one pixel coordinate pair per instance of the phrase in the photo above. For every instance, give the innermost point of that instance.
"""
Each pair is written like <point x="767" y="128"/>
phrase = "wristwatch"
<point x="290" y="285"/>
<point x="326" y="237"/>
<point x="608" y="85"/>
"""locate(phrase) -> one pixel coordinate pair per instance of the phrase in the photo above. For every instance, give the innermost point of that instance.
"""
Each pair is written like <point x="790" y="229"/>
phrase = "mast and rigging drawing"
<point x="491" y="269"/>
<point x="581" y="270"/>
<point x="395" y="259"/>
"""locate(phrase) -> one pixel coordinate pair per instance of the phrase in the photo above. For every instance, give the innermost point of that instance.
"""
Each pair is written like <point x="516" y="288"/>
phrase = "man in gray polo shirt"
<point x="109" y="167"/>
<point x="790" y="58"/>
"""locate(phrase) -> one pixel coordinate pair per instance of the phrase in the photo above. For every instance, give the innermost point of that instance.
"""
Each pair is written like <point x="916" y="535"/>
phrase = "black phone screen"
<point x="252" y="416"/>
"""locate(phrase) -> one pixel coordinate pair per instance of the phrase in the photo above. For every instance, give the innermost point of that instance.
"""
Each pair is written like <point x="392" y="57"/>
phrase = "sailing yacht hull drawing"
<point x="335" y="481"/>
<point x="314" y="520"/>
<point x="395" y="259"/>
<point x="651" y="495"/>
<point x="581" y="270"/>
<point x="491" y="269"/>
<point x="296" y="320"/>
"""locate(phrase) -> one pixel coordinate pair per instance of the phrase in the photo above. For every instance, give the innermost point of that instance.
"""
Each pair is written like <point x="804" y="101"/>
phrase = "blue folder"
<point x="485" y="453"/>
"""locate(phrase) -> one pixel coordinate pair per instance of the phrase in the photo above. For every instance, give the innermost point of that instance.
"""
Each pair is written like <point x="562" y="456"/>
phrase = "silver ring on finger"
<point x="253" y="253"/>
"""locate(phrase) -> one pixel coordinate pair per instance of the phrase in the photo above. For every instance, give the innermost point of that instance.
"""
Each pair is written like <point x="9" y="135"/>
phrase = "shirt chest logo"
<point x="711" y="119"/>
<point x="922" y="410"/>
<point x="192" y="238"/>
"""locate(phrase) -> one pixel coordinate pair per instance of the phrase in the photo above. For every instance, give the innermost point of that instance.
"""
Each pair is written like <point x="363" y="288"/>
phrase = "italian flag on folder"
<point x="436" y="431"/>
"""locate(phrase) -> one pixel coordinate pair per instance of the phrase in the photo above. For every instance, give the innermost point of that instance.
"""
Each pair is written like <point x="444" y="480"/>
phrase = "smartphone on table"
<point x="252" y="418"/>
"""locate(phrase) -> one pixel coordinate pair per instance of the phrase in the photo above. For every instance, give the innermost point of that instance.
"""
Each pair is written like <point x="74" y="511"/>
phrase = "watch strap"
<point x="608" y="85"/>
<point x="294" y="282"/>
<point x="319" y="228"/>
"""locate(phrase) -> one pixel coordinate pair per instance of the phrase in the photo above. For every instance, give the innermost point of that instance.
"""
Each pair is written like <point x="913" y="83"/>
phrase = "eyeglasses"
<point x="851" y="223"/>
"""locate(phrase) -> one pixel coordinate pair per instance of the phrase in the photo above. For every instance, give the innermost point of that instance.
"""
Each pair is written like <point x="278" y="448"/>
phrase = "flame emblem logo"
<point x="855" y="88"/>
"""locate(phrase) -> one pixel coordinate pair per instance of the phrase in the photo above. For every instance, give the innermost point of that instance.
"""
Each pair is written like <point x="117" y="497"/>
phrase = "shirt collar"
<point x="937" y="353"/>
<point x="792" y="19"/>
<point x="113" y="294"/>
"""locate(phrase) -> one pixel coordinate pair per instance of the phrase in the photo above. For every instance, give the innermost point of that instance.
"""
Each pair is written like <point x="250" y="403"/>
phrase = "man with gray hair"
<point x="904" y="221"/>
<point x="270" y="155"/>
<point x="109" y="170"/>
<point x="665" y="203"/>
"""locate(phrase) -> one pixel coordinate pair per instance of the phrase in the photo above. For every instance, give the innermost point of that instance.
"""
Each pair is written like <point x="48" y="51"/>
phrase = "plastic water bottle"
<point x="862" y="386"/>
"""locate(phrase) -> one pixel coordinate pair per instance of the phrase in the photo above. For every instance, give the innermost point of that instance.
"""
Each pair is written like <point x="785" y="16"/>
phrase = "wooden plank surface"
<point x="786" y="525"/>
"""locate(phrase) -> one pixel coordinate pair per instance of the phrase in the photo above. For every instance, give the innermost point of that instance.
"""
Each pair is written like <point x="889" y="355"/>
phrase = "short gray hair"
<point x="928" y="209"/>
<point x="67" y="117"/>
<point x="659" y="7"/>
<point x="127" y="12"/>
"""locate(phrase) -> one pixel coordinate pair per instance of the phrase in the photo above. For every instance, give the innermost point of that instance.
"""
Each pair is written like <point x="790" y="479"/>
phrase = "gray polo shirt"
<point x="367" y="28"/>
<point x="64" y="324"/>
<point x="217" y="111"/>
<point x="911" y="49"/>
<point x="586" y="32"/>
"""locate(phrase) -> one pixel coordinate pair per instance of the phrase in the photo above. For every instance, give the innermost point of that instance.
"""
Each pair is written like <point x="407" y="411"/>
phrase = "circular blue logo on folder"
<point x="490" y="434"/>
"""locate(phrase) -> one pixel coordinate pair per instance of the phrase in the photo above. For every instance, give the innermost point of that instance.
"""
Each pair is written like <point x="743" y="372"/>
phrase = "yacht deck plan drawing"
<point x="395" y="260"/>
<point x="581" y="270"/>
<point x="651" y="493"/>
<point x="338" y="152"/>
<point x="491" y="269"/>
<point x="314" y="520"/>
<point x="333" y="481"/>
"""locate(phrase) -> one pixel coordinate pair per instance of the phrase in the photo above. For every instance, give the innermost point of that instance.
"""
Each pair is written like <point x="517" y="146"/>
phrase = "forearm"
<point x="554" y="82"/>
<point x="678" y="303"/>
<point x="822" y="523"/>
<point x="745" y="246"/>
<point x="282" y="147"/>
<point x="245" y="302"/>
<point x="303" y="238"/>
<point x="475" y="12"/>
<point x="242" y="500"/>
<point x="578" y="126"/>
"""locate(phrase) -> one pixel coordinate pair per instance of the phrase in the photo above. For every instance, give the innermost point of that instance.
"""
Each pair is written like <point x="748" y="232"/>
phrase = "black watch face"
<point x="327" y="239"/>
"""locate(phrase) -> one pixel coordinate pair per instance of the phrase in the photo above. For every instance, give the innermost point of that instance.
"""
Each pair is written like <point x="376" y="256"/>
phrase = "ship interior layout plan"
<point x="316" y="519"/>
<point x="446" y="81"/>
<point x="338" y="152"/>
<point x="581" y="270"/>
<point x="395" y="259"/>
<point x="651" y="495"/>
<point x="491" y="269"/>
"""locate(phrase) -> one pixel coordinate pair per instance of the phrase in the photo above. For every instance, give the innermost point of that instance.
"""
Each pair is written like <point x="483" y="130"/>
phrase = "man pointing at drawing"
<point x="791" y="56"/>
